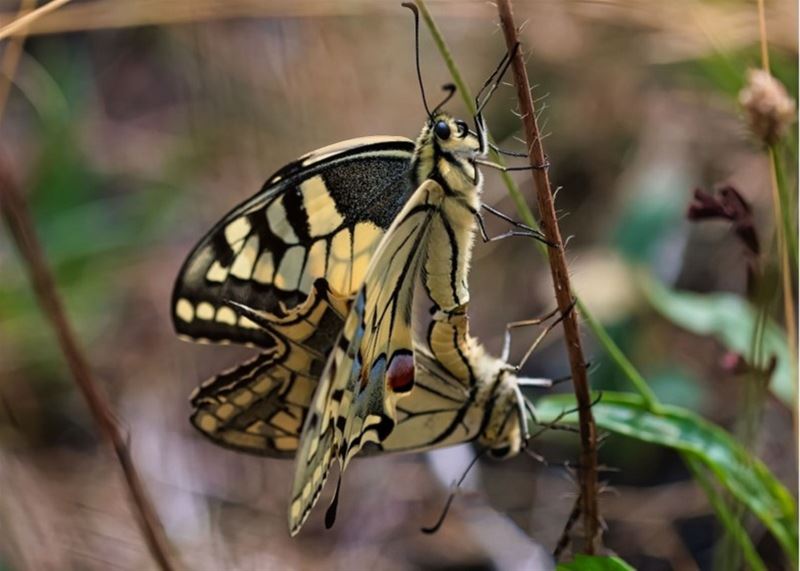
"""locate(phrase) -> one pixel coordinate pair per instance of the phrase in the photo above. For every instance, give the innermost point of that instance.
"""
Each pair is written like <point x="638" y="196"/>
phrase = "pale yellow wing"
<point x="373" y="365"/>
<point x="260" y="406"/>
<point x="441" y="410"/>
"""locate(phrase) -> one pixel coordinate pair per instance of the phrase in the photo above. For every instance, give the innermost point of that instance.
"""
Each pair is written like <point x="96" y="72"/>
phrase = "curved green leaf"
<point x="594" y="563"/>
<point x="732" y="321"/>
<point x="725" y="515"/>
<point x="743" y="475"/>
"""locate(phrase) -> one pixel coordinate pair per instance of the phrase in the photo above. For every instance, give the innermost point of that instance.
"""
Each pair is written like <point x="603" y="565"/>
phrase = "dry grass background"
<point x="134" y="125"/>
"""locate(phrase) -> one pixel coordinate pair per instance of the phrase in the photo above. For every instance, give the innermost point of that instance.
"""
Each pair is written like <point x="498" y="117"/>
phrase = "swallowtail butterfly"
<point x="318" y="271"/>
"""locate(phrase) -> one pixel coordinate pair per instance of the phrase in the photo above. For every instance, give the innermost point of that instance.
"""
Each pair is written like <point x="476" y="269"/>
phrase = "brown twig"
<point x="15" y="212"/>
<point x="558" y="268"/>
<point x="21" y="23"/>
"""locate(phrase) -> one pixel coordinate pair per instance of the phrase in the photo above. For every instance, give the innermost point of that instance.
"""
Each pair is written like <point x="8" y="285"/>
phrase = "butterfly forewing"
<point x="373" y="364"/>
<point x="321" y="216"/>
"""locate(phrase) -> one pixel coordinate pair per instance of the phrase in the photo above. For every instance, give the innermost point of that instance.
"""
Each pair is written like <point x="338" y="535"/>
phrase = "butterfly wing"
<point x="373" y="364"/>
<point x="277" y="273"/>
<point x="441" y="410"/>
<point x="257" y="407"/>
<point x="320" y="217"/>
<point x="260" y="406"/>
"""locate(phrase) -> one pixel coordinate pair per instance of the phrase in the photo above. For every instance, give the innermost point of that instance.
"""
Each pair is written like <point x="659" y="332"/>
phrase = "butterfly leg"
<point x="565" y="539"/>
<point x="493" y="81"/>
<point x="506" y="152"/>
<point x="489" y="87"/>
<point x="525" y="231"/>
<point x="525" y="323"/>
<point x="501" y="168"/>
<point x="436" y="526"/>
<point x="565" y="378"/>
<point x="555" y="423"/>
<point x="542" y="335"/>
<point x="502" y="216"/>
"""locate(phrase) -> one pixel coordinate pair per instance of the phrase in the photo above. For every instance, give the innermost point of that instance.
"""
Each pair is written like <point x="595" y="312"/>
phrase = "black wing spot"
<point x="296" y="214"/>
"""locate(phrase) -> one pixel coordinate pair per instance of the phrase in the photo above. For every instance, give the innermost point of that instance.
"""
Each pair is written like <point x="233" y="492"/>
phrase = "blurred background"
<point x="132" y="126"/>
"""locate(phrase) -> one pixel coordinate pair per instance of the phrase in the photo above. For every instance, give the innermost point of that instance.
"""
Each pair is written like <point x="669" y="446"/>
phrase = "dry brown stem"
<point x="558" y="268"/>
<point x="15" y="212"/>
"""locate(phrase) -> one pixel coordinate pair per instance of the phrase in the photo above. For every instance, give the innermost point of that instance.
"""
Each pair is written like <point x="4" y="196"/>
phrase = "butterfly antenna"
<point x="451" y="90"/>
<point x="411" y="6"/>
<point x="435" y="527"/>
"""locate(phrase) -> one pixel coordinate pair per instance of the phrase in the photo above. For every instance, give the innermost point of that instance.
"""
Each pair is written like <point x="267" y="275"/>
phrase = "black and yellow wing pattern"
<point x="373" y="366"/>
<point x="260" y="406"/>
<point x="373" y="362"/>
<point x="444" y="408"/>
<point x="321" y="216"/>
<point x="277" y="273"/>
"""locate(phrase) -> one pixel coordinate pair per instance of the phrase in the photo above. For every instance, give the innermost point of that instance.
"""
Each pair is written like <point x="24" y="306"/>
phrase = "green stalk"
<point x="784" y="221"/>
<point x="733" y="527"/>
<point x="619" y="359"/>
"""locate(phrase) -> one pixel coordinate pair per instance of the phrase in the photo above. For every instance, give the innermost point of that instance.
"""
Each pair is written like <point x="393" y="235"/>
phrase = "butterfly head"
<point x="505" y="431"/>
<point x="447" y="149"/>
<point x="451" y="136"/>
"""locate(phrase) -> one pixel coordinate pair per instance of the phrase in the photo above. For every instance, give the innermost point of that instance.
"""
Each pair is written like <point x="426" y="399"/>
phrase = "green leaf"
<point x="732" y="321"/>
<point x="594" y="563"/>
<point x="725" y="515"/>
<point x="744" y="476"/>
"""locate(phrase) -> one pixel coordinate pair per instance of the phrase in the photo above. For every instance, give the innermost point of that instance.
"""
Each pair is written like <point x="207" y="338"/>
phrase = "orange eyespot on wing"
<point x="400" y="373"/>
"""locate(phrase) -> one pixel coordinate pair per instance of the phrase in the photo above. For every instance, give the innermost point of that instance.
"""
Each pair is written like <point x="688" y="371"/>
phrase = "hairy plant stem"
<point x="587" y="471"/>
<point x="17" y="217"/>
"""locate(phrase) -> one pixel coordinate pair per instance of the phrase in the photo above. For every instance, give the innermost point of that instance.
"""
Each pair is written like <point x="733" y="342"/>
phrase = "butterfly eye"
<point x="463" y="129"/>
<point x="442" y="130"/>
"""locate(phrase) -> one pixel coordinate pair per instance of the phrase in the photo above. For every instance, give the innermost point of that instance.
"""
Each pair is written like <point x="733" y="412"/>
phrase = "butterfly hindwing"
<point x="260" y="406"/>
<point x="441" y="409"/>
<point x="321" y="216"/>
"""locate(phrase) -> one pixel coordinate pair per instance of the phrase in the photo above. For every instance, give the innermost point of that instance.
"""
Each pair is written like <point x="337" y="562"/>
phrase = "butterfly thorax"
<point x="445" y="153"/>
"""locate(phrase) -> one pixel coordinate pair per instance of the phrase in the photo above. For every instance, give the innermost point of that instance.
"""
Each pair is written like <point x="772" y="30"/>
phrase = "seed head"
<point x="770" y="110"/>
